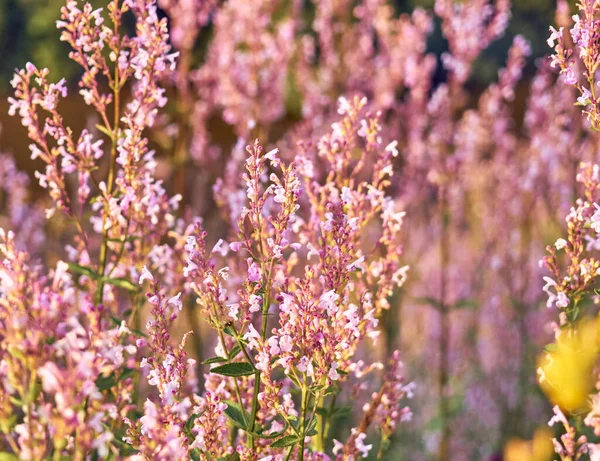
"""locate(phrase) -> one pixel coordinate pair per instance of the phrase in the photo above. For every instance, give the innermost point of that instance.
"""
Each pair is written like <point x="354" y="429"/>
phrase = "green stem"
<point x="110" y="185"/>
<point x="327" y="425"/>
<point x="445" y="330"/>
<point x="303" y="432"/>
<point x="289" y="453"/>
<point x="254" y="408"/>
<point x="382" y="447"/>
<point x="320" y="441"/>
<point x="264" y="312"/>
<point x="237" y="387"/>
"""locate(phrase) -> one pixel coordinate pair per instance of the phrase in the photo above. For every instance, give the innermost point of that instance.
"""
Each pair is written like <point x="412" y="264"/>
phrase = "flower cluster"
<point x="63" y="362"/>
<point x="567" y="369"/>
<point x="69" y="357"/>
<point x="577" y="56"/>
<point x="295" y="253"/>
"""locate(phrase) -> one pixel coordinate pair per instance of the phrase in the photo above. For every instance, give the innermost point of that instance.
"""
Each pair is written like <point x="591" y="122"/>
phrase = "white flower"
<point x="220" y="247"/>
<point x="560" y="244"/>
<point x="146" y="275"/>
<point x="333" y="374"/>
<point x="392" y="148"/>
<point x="176" y="301"/>
<point x="343" y="105"/>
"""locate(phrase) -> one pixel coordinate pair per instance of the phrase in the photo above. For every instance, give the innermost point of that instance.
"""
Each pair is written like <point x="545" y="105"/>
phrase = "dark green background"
<point x="28" y="33"/>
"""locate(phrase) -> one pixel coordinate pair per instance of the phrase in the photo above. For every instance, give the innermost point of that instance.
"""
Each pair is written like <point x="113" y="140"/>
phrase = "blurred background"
<point x="28" y="34"/>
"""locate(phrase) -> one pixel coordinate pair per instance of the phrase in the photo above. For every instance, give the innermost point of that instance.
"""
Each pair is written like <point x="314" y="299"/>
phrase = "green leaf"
<point x="83" y="270"/>
<point x="429" y="301"/>
<point x="122" y="283"/>
<point x="189" y="425"/>
<point x="6" y="424"/>
<point x="104" y="130"/>
<point x="214" y="360"/>
<point x="35" y="389"/>
<point x="116" y="320"/>
<point x="466" y="304"/>
<point x="127" y="372"/>
<point x="341" y="411"/>
<point x="235" y="351"/>
<point x="286" y="441"/>
<point x="236" y="414"/>
<point x="15" y="352"/>
<point x="195" y="454"/>
<point x="106" y="382"/>
<point x="315" y="388"/>
<point x="322" y="412"/>
<point x="333" y="389"/>
<point x="385" y="444"/>
<point x="294" y="380"/>
<point x="6" y="456"/>
<point x="234" y="369"/>
<point x="139" y="333"/>
<point x="274" y="435"/>
<point x="310" y="430"/>
<point x="124" y="448"/>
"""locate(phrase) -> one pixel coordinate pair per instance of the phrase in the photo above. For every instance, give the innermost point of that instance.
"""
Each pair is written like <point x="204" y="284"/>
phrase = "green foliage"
<point x="286" y="441"/>
<point x="235" y="369"/>
<point x="237" y="415"/>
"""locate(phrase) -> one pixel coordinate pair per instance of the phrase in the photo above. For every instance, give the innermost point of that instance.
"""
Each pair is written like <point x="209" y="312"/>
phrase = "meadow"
<point x="278" y="230"/>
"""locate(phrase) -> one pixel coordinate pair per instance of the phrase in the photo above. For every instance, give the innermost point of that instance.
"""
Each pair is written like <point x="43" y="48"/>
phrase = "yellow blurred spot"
<point x="565" y="369"/>
<point x="538" y="449"/>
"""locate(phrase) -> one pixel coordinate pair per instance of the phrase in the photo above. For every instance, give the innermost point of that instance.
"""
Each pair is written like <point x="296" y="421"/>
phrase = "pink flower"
<point x="254" y="272"/>
<point x="555" y="35"/>
<point x="255" y="302"/>
<point x="569" y="76"/>
<point x="333" y="374"/>
<point x="146" y="275"/>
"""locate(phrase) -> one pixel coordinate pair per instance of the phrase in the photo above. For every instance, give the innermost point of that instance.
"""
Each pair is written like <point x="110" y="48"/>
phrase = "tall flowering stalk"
<point x="57" y="351"/>
<point x="566" y="370"/>
<point x="577" y="58"/>
<point x="68" y="371"/>
<point x="126" y="225"/>
<point x="296" y="256"/>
